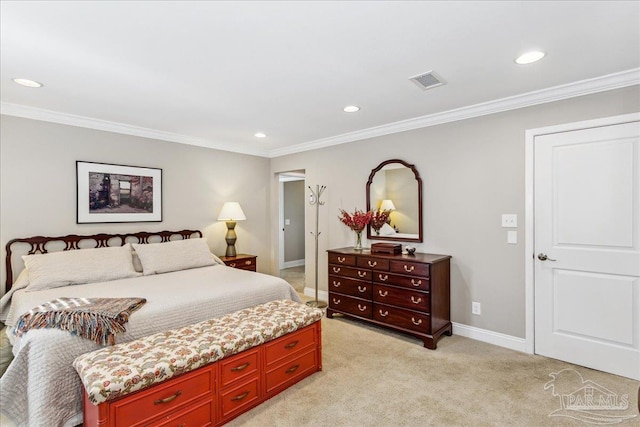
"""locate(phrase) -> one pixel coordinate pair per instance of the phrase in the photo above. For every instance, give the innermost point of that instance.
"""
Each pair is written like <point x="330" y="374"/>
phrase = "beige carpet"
<point x="373" y="377"/>
<point x="295" y="276"/>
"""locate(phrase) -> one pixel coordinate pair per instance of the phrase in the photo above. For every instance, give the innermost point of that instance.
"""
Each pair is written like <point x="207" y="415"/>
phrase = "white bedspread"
<point x="41" y="388"/>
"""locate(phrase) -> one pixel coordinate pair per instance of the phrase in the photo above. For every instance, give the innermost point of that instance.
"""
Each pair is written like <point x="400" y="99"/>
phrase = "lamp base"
<point x="230" y="238"/>
<point x="316" y="303"/>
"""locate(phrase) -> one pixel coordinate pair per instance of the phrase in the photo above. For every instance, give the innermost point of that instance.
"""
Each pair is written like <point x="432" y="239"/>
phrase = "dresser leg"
<point x="329" y="313"/>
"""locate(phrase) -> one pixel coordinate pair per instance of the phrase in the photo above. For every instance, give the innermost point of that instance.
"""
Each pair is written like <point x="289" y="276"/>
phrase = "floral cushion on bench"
<point x="121" y="369"/>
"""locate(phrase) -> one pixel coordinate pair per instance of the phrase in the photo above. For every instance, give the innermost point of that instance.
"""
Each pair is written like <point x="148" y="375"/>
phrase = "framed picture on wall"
<point x="118" y="193"/>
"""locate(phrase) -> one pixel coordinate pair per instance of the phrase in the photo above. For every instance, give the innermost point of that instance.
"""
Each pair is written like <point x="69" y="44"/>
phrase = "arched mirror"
<point x="395" y="187"/>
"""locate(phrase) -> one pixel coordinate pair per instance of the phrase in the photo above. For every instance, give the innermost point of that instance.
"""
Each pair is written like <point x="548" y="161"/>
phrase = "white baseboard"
<point x="495" y="338"/>
<point x="311" y="292"/>
<point x="294" y="263"/>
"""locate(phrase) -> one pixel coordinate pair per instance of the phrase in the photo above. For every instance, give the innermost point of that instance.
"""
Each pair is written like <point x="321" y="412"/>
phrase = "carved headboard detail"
<point x="43" y="245"/>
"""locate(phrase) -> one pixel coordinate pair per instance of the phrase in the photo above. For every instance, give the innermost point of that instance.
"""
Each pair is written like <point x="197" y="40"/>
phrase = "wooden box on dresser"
<point x="407" y="293"/>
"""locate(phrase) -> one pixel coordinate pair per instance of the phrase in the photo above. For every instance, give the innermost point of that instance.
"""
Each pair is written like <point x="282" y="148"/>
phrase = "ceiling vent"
<point x="427" y="80"/>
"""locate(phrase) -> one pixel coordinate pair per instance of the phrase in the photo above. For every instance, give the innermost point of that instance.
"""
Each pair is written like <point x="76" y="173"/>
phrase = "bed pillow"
<point x="387" y="230"/>
<point x="78" y="266"/>
<point x="173" y="256"/>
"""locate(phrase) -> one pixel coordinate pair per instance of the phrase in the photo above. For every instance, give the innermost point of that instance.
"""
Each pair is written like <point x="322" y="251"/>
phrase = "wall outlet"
<point x="510" y="220"/>
<point x="475" y="308"/>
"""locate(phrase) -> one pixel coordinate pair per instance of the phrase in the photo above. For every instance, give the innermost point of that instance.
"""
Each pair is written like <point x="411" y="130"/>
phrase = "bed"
<point x="40" y="386"/>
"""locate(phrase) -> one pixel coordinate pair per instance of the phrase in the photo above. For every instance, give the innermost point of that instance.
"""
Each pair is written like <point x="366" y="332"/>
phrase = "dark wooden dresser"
<point x="408" y="293"/>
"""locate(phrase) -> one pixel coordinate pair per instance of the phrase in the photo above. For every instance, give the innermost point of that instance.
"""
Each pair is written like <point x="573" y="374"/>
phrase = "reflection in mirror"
<point x="395" y="186"/>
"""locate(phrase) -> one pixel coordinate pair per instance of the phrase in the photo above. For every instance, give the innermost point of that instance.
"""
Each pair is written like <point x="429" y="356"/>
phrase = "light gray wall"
<point x="294" y="212"/>
<point x="472" y="172"/>
<point x="38" y="185"/>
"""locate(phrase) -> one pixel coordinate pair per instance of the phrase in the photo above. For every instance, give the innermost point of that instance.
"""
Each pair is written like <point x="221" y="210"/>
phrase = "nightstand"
<point x="241" y="261"/>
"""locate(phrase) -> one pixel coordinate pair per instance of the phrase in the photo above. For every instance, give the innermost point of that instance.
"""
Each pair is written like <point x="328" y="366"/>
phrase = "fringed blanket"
<point x="97" y="319"/>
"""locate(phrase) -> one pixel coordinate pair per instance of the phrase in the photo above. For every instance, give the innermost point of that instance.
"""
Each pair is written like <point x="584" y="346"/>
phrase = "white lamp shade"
<point x="231" y="211"/>
<point x="387" y="205"/>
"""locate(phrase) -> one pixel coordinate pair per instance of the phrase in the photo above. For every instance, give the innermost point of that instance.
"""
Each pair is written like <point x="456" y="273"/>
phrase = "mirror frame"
<point x="417" y="176"/>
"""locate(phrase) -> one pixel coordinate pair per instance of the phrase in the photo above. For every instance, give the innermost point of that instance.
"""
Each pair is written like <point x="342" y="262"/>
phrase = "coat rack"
<point x="314" y="199"/>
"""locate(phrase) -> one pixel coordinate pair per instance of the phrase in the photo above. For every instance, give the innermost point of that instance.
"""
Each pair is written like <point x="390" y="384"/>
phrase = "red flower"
<point x="379" y="219"/>
<point x="356" y="221"/>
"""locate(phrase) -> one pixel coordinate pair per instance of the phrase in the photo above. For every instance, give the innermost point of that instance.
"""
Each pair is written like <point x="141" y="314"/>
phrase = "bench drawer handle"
<point x="342" y="259"/>
<point x="361" y="308"/>
<point x="382" y="293"/>
<point x="416" y="284"/>
<point x="362" y="273"/>
<point x="409" y="269"/>
<point x="336" y="284"/>
<point x="385" y="314"/>
<point x="292" y="369"/>
<point x="291" y="344"/>
<point x="241" y="367"/>
<point x="240" y="396"/>
<point x="372" y="264"/>
<point x="416" y="301"/>
<point x="383" y="278"/>
<point x="336" y="269"/>
<point x="416" y="322"/>
<point x="168" y="399"/>
<point x="362" y="288"/>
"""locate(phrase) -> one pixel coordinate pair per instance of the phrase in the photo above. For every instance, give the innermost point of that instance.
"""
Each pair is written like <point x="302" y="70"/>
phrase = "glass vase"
<point x="358" y="246"/>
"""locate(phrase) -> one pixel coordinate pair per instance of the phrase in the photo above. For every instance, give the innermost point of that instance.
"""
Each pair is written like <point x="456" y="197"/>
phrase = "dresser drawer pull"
<point x="385" y="314"/>
<point x="372" y="264"/>
<point x="416" y="322"/>
<point x="168" y="399"/>
<point x="336" y="269"/>
<point x="292" y="369"/>
<point x="416" y="284"/>
<point x="362" y="273"/>
<point x="247" y="263"/>
<point x="240" y="396"/>
<point x="241" y="367"/>
<point x="416" y="301"/>
<point x="336" y="284"/>
<point x="362" y="288"/>
<point x="383" y="278"/>
<point x="291" y="344"/>
<point x="382" y="293"/>
<point x="361" y="308"/>
<point x="342" y="259"/>
<point x="409" y="269"/>
<point x="336" y="301"/>
<point x="233" y="264"/>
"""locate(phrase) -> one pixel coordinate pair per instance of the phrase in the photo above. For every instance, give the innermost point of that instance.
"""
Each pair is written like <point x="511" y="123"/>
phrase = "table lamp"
<point x="231" y="212"/>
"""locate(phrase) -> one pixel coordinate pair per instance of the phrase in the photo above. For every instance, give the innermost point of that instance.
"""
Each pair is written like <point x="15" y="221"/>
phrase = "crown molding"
<point x="556" y="93"/>
<point x="122" y="128"/>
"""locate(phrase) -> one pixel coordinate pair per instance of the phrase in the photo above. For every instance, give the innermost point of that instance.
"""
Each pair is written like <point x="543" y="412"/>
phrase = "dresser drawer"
<point x="291" y="370"/>
<point x="283" y="347"/>
<point x="154" y="402"/>
<point x="356" y="273"/>
<point x="349" y="260"/>
<point x="356" y="306"/>
<point x="238" y="398"/>
<point x="411" y="268"/>
<point x="200" y="415"/>
<point x="416" y="283"/>
<point x="412" y="300"/>
<point x="407" y="319"/>
<point x="344" y="285"/>
<point x="375" y="263"/>
<point x="239" y="366"/>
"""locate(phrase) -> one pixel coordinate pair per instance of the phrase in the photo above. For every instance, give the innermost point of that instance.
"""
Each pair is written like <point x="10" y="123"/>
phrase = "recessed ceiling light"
<point x="351" y="108"/>
<point x="28" y="83"/>
<point x="530" y="57"/>
<point x="260" y="135"/>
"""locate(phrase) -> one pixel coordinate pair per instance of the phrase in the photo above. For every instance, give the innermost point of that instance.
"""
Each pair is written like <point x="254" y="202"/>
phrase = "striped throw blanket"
<point x="97" y="319"/>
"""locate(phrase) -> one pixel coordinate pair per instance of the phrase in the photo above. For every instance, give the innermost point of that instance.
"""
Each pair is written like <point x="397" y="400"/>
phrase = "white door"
<point x="587" y="247"/>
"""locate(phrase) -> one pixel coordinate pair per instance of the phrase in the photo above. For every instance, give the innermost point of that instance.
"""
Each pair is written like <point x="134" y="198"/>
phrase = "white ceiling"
<point x="214" y="73"/>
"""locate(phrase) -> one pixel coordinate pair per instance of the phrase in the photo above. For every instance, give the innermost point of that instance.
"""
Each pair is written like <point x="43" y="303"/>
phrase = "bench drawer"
<point x="282" y="347"/>
<point x="238" y="399"/>
<point x="291" y="371"/>
<point x="239" y="366"/>
<point x="200" y="414"/>
<point x="149" y="404"/>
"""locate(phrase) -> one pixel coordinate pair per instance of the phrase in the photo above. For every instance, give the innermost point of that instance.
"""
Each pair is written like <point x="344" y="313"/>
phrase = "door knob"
<point x="544" y="257"/>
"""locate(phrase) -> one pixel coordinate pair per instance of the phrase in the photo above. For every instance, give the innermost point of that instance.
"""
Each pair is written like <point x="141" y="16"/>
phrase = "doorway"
<point x="292" y="228"/>
<point x="583" y="240"/>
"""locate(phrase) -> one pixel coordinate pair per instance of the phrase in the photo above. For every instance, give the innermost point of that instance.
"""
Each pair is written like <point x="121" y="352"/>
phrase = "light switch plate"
<point x="512" y="237"/>
<point x="287" y="221"/>
<point x="510" y="220"/>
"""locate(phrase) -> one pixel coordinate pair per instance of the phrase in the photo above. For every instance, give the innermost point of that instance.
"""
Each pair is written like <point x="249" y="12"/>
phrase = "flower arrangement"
<point x="378" y="219"/>
<point x="356" y="221"/>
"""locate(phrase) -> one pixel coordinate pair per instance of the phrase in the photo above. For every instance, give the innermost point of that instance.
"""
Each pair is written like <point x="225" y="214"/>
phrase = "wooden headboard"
<point x="43" y="245"/>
